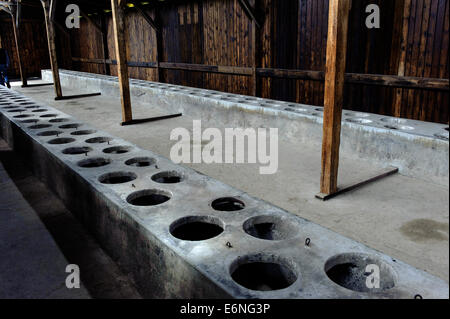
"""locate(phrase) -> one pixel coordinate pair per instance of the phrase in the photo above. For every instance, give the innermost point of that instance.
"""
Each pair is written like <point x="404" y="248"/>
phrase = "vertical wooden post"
<point x="15" y="12"/>
<point x="334" y="93"/>
<point x="254" y="56"/>
<point x="103" y="25"/>
<point x="159" y="51"/>
<point x="402" y="56"/>
<point x="118" y="14"/>
<point x="49" y="9"/>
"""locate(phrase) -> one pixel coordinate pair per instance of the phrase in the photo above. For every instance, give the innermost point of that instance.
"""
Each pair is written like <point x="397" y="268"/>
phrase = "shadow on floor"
<point x="99" y="273"/>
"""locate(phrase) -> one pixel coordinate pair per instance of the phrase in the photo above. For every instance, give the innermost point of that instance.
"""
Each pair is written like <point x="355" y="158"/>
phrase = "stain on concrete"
<point x="421" y="230"/>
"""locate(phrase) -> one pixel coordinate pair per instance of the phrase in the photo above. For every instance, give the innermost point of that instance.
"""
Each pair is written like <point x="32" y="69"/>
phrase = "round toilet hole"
<point x="50" y="133"/>
<point x="394" y="120"/>
<point x="58" y="120"/>
<point x="271" y="228"/>
<point x="77" y="150"/>
<point x="117" y="150"/>
<point x="148" y="197"/>
<point x="141" y="162"/>
<point x="356" y="114"/>
<point x="358" y="120"/>
<point x="350" y="271"/>
<point x="263" y="273"/>
<point x="99" y="140"/>
<point x="170" y="177"/>
<point x="39" y="126"/>
<point x="30" y="121"/>
<point x="68" y="126"/>
<point x="117" y="178"/>
<point x="94" y="162"/>
<point x="197" y="228"/>
<point x="62" y="140"/>
<point x="84" y="132"/>
<point x="227" y="204"/>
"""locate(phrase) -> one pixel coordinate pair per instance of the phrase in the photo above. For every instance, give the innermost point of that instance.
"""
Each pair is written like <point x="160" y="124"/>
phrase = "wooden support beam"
<point x="49" y="8"/>
<point x="146" y="17"/>
<point x="118" y="14"/>
<point x="406" y="12"/>
<point x="345" y="189"/>
<point x="334" y="93"/>
<point x="394" y="81"/>
<point x="15" y="12"/>
<point x="159" y="53"/>
<point x="104" y="28"/>
<point x="250" y="12"/>
<point x="255" y="55"/>
<point x="88" y="18"/>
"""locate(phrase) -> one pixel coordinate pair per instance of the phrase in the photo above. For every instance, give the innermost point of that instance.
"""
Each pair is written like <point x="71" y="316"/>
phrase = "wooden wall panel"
<point x="227" y="35"/>
<point x="34" y="44"/>
<point x="182" y="40"/>
<point x="141" y="46"/>
<point x="293" y="36"/>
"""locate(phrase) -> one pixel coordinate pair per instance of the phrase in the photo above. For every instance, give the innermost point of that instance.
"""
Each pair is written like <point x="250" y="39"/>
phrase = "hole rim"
<point x="267" y="258"/>
<point x="290" y="227"/>
<point x="50" y="133"/>
<point x="177" y="176"/>
<point x="39" y="126"/>
<point x="70" y="126"/>
<point x="131" y="198"/>
<point x="108" y="178"/>
<point x="87" y="163"/>
<point x="198" y="219"/>
<point x="233" y="200"/>
<point x="61" y="141"/>
<point x="347" y="258"/>
<point x="77" y="150"/>
<point x="99" y="140"/>
<point x="117" y="150"/>
<point x="138" y="160"/>
<point x="83" y="132"/>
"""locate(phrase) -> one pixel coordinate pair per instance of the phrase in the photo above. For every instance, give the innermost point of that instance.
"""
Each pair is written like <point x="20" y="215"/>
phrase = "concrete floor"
<point x="41" y="274"/>
<point x="403" y="217"/>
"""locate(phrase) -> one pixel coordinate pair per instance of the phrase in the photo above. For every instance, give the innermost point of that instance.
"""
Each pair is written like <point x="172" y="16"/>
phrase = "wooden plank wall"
<point x="34" y="44"/>
<point x="293" y="36"/>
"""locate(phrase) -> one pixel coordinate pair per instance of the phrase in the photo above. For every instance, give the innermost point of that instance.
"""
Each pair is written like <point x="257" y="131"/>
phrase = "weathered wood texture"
<point x="293" y="35"/>
<point x="334" y="93"/>
<point x="121" y="44"/>
<point x="48" y="7"/>
<point x="34" y="49"/>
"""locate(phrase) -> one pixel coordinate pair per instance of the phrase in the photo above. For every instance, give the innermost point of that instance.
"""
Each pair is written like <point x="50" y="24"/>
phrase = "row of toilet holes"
<point x="256" y="274"/>
<point x="352" y="120"/>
